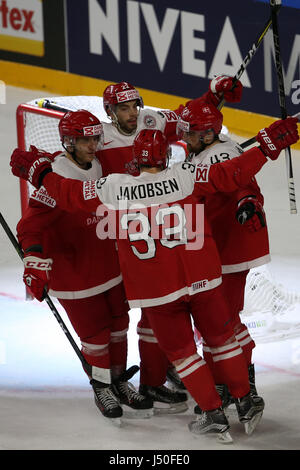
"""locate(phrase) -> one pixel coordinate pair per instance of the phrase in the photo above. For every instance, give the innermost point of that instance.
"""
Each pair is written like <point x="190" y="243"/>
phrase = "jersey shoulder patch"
<point x="41" y="195"/>
<point x="201" y="173"/>
<point x="89" y="190"/>
<point x="149" y="121"/>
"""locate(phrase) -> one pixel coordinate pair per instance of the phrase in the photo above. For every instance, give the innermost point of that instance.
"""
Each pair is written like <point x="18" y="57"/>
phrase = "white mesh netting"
<point x="270" y="311"/>
<point x="42" y="130"/>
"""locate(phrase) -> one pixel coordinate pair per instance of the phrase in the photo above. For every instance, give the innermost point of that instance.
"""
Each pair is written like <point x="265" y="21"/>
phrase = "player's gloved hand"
<point x="278" y="136"/>
<point x="31" y="166"/>
<point x="250" y="213"/>
<point x="36" y="274"/>
<point x="222" y="86"/>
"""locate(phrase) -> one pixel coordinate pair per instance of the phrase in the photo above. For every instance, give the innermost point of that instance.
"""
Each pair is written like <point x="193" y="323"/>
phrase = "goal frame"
<point x="21" y="125"/>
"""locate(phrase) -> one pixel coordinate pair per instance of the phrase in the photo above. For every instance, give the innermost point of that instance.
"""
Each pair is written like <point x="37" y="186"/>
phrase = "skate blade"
<point x="116" y="422"/>
<point x="224" y="438"/>
<point x="251" y="425"/>
<point x="168" y="408"/>
<point x="137" y="414"/>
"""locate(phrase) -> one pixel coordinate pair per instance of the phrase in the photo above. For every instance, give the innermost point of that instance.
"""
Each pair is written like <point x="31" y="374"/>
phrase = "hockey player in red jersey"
<point x="169" y="261"/>
<point x="124" y="106"/>
<point x="237" y="219"/>
<point x="63" y="254"/>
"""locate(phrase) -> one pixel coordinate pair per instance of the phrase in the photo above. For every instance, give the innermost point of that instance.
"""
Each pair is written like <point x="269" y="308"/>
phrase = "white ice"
<point x="45" y="399"/>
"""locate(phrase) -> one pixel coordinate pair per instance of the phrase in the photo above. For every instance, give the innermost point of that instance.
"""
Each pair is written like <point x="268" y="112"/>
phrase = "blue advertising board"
<point x="175" y="47"/>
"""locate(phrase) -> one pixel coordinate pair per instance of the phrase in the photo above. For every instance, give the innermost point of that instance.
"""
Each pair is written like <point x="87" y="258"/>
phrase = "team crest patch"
<point x="202" y="172"/>
<point x="149" y="121"/>
<point x="89" y="190"/>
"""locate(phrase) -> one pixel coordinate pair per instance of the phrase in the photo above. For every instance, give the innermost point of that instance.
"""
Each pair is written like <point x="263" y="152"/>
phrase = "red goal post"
<point x="21" y="117"/>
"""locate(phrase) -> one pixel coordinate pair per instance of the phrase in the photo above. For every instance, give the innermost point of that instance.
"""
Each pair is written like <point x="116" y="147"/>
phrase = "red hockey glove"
<point x="278" y="136"/>
<point x="31" y="166"/>
<point x="222" y="86"/>
<point x="250" y="213"/>
<point x="36" y="275"/>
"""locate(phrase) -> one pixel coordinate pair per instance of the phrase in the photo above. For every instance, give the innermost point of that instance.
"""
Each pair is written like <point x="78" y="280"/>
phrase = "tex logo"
<point x="21" y="26"/>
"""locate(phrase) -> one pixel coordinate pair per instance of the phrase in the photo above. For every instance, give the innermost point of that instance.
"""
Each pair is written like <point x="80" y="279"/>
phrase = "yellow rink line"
<point x="240" y="122"/>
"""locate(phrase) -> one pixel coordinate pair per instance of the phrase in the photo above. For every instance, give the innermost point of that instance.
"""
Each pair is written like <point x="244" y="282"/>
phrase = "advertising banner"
<point x="175" y="47"/>
<point x="33" y="32"/>
<point x="22" y="29"/>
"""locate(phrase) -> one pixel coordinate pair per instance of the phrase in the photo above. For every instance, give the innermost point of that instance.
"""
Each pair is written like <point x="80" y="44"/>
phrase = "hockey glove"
<point x="36" y="275"/>
<point x="31" y="166"/>
<point x="222" y="86"/>
<point x="278" y="136"/>
<point x="250" y="213"/>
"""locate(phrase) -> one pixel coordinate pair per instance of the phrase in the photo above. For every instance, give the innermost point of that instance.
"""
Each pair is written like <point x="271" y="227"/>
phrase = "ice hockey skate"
<point x="140" y="406"/>
<point x="107" y="402"/>
<point x="251" y="373"/>
<point x="224" y="395"/>
<point x="250" y="410"/>
<point x="211" y="422"/>
<point x="166" y="401"/>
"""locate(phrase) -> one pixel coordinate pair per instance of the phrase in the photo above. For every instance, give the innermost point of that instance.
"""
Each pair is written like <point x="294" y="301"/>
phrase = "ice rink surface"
<point x="46" y="402"/>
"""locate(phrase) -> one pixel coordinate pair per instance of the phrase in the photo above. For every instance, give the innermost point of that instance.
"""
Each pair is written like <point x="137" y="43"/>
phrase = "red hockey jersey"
<point x="239" y="248"/>
<point x="82" y="265"/>
<point x="160" y="249"/>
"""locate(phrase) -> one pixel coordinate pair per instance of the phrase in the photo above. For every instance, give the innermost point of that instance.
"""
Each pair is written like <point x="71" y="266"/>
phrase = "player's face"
<point x="196" y="141"/>
<point x="127" y="114"/>
<point x="85" y="149"/>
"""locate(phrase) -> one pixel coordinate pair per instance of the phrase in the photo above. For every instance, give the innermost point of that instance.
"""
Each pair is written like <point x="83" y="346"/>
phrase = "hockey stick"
<point x="275" y="5"/>
<point x="87" y="367"/>
<point x="45" y="103"/>
<point x="248" y="58"/>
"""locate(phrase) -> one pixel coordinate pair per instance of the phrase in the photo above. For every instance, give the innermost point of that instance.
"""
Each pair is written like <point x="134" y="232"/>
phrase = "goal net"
<point x="38" y="126"/>
<point x="269" y="310"/>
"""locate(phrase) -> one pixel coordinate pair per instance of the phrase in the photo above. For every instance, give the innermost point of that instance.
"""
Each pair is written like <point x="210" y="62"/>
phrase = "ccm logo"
<point x="267" y="140"/>
<point x="16" y="18"/>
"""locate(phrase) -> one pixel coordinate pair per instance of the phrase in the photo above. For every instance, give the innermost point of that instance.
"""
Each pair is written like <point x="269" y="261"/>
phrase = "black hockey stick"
<point x="275" y="5"/>
<point x="45" y="103"/>
<point x="87" y="367"/>
<point x="248" y="57"/>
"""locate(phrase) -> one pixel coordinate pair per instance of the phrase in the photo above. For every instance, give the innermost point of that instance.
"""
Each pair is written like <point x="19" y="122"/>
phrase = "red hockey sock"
<point x="118" y="352"/>
<point x="198" y="380"/>
<point x="245" y="341"/>
<point x="153" y="365"/>
<point x="230" y="368"/>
